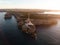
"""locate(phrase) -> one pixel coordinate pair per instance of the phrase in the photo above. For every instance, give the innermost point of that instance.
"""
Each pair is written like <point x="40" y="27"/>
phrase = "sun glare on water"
<point x="52" y="13"/>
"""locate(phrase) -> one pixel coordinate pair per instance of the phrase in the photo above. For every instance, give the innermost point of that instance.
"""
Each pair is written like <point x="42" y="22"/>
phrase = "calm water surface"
<point x="11" y="35"/>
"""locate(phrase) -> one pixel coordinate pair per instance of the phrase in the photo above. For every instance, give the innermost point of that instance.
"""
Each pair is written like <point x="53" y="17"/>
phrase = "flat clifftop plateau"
<point x="37" y="21"/>
<point x="44" y="22"/>
<point x="38" y="16"/>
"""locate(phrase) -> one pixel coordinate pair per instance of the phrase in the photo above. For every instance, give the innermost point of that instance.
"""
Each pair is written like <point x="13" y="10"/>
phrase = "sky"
<point x="30" y="4"/>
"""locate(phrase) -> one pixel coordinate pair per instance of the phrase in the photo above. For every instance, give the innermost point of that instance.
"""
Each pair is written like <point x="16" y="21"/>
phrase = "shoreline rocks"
<point x="8" y="16"/>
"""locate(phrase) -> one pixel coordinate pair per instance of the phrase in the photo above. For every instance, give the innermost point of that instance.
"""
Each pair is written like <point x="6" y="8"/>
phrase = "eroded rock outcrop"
<point x="8" y="16"/>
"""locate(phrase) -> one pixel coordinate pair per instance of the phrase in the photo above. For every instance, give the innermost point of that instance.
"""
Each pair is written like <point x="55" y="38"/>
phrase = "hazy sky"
<point x="30" y="4"/>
